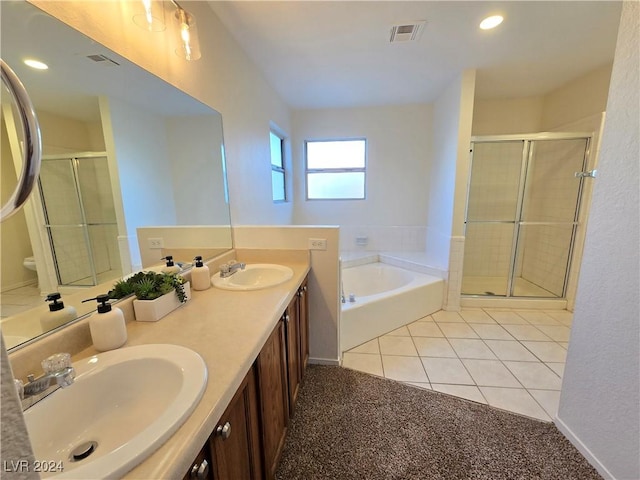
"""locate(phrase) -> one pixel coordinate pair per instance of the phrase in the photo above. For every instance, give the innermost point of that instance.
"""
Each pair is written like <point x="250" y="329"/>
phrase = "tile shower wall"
<point x="370" y="238"/>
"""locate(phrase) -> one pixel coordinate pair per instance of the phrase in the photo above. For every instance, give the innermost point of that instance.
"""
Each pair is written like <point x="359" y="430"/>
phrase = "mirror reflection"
<point x="133" y="170"/>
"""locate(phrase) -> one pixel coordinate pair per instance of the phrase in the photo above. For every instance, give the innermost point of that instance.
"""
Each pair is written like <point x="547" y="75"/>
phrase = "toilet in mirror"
<point x="133" y="170"/>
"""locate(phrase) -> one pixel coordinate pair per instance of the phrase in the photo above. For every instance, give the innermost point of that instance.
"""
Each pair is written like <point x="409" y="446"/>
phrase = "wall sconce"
<point x="189" y="46"/>
<point x="151" y="16"/>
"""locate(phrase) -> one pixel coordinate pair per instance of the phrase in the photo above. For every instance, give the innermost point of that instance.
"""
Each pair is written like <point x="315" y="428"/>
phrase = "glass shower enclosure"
<point x="522" y="213"/>
<point x="80" y="218"/>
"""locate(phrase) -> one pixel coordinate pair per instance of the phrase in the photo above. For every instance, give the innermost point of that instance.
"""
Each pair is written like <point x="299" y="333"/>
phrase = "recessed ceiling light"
<point x="491" y="22"/>
<point x="36" y="64"/>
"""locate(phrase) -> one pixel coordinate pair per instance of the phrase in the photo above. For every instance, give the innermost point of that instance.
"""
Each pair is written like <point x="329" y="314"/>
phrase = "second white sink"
<point x="254" y="277"/>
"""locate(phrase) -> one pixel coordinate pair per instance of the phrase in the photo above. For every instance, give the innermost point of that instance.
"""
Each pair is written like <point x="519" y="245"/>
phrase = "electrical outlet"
<point x="155" y="243"/>
<point x="317" y="244"/>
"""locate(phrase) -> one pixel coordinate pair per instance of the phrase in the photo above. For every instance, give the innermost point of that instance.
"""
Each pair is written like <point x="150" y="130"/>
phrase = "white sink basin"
<point x="128" y="401"/>
<point x="254" y="277"/>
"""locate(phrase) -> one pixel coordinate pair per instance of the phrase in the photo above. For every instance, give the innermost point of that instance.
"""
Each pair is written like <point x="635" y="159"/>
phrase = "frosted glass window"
<point x="336" y="169"/>
<point x="278" y="175"/>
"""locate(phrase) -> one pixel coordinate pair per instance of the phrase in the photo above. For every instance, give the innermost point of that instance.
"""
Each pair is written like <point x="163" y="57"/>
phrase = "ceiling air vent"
<point x="103" y="60"/>
<point x="407" y="32"/>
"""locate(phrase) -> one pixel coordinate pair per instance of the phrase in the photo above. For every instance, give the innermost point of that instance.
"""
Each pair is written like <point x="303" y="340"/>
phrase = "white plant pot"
<point x="154" y="310"/>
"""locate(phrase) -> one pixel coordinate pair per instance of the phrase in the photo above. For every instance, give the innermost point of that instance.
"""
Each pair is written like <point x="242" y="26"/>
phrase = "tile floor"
<point x="510" y="359"/>
<point x="19" y="300"/>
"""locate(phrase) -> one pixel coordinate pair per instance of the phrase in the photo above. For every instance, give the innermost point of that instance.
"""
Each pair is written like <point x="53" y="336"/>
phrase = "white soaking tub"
<point x="386" y="298"/>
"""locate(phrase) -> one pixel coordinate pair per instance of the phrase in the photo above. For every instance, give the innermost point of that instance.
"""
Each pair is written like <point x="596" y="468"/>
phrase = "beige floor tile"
<point x="476" y="315"/>
<point x="548" y="399"/>
<point x="547" y="351"/>
<point x="443" y="316"/>
<point x="492" y="332"/>
<point x="457" y="330"/>
<point x="434" y="347"/>
<point x="404" y="369"/>
<point x="526" y="332"/>
<point x="446" y="370"/>
<point x="564" y="345"/>
<point x="559" y="333"/>
<point x="369" y="347"/>
<point x="471" y="348"/>
<point x="424" y="329"/>
<point x="537" y="317"/>
<point x="563" y="316"/>
<point x="423" y="385"/>
<point x="535" y="375"/>
<point x="363" y="362"/>
<point x="510" y="350"/>
<point x="390" y="345"/>
<point x="516" y="400"/>
<point x="556" y="367"/>
<point x="469" y="392"/>
<point x="506" y="317"/>
<point x="400" y="332"/>
<point x="490" y="373"/>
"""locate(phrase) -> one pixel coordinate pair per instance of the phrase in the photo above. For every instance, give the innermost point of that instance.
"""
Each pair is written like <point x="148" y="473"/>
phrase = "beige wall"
<point x="15" y="242"/>
<point x="578" y="99"/>
<point x="66" y="135"/>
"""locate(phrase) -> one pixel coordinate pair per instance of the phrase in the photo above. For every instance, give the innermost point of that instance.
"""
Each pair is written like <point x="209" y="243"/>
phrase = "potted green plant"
<point x="157" y="294"/>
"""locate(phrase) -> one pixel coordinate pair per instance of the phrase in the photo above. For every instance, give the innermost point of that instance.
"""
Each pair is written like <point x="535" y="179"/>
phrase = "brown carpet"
<point x="350" y="425"/>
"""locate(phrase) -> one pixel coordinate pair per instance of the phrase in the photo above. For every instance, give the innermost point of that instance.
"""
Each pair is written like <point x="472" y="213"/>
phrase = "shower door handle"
<point x="32" y="153"/>
<point x="587" y="174"/>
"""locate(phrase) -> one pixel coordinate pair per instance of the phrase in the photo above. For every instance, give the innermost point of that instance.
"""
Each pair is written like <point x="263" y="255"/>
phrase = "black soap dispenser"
<point x="58" y="314"/>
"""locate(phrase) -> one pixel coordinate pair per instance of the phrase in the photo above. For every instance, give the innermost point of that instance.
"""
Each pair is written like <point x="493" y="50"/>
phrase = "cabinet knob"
<point x="286" y="318"/>
<point x="200" y="471"/>
<point x="224" y="430"/>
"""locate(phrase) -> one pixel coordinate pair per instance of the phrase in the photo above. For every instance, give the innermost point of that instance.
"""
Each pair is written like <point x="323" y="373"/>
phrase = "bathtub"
<point x="386" y="298"/>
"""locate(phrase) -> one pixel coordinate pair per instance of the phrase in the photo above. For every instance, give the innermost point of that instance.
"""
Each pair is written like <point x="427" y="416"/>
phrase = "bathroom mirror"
<point x="124" y="152"/>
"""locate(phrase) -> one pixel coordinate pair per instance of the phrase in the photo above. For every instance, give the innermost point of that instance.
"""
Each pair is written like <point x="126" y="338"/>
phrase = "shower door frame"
<point x="73" y="158"/>
<point x="525" y="170"/>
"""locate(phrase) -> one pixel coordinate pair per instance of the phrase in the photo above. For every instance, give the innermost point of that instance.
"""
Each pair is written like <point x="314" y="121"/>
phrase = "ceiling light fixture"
<point x="151" y="16"/>
<point x="491" y="22"/>
<point x="38" y="65"/>
<point x="189" y="47"/>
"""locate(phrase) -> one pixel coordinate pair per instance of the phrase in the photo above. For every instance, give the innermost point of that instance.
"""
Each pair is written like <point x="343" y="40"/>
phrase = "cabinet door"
<point x="303" y="321"/>
<point x="235" y="442"/>
<point x="274" y="398"/>
<point x="201" y="467"/>
<point x="292" y="332"/>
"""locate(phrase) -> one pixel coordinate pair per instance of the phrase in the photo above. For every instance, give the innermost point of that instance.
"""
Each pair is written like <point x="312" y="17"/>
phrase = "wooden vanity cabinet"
<point x="235" y="442"/>
<point x="201" y="467"/>
<point x="247" y="442"/>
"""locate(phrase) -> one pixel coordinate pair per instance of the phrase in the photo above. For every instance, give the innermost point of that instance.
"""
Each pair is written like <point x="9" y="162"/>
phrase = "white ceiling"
<point x="320" y="54"/>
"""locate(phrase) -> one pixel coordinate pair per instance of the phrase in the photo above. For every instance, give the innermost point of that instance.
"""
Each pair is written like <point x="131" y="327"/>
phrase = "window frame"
<point x="275" y="168"/>
<point x="362" y="170"/>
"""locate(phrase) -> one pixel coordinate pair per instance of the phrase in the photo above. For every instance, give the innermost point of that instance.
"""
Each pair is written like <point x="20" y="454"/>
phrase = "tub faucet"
<point x="228" y="269"/>
<point x="58" y="373"/>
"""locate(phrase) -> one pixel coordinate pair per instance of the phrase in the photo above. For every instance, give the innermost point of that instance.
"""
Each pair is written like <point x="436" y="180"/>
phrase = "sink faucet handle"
<point x="56" y="363"/>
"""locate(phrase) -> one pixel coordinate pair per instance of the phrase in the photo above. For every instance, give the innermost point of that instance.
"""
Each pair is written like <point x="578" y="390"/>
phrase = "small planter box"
<point x="154" y="310"/>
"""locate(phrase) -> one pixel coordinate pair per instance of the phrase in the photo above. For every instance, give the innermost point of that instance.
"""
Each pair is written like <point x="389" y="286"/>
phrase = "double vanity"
<point x="206" y="392"/>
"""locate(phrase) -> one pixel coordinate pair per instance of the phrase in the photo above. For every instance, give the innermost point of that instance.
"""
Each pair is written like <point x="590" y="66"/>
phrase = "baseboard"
<point x="324" y="361"/>
<point x="583" y="449"/>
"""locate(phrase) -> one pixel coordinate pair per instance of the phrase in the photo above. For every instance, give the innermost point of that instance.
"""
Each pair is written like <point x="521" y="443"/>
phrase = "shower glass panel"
<point x="80" y="218"/>
<point x="522" y="213"/>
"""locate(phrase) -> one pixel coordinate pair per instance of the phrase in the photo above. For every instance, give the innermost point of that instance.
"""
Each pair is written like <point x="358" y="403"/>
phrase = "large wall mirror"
<point x="133" y="170"/>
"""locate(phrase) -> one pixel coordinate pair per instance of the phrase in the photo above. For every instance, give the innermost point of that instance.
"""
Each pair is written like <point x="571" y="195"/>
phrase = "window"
<point x="336" y="169"/>
<point x="278" y="184"/>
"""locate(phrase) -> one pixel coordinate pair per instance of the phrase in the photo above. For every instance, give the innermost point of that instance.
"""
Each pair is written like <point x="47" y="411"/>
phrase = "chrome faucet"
<point x="228" y="269"/>
<point x="58" y="373"/>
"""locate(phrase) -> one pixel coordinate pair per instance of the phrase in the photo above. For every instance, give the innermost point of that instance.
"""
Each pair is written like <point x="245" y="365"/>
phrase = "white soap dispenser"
<point x="58" y="314"/>
<point x="107" y="326"/>
<point x="200" y="278"/>
<point x="170" y="267"/>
